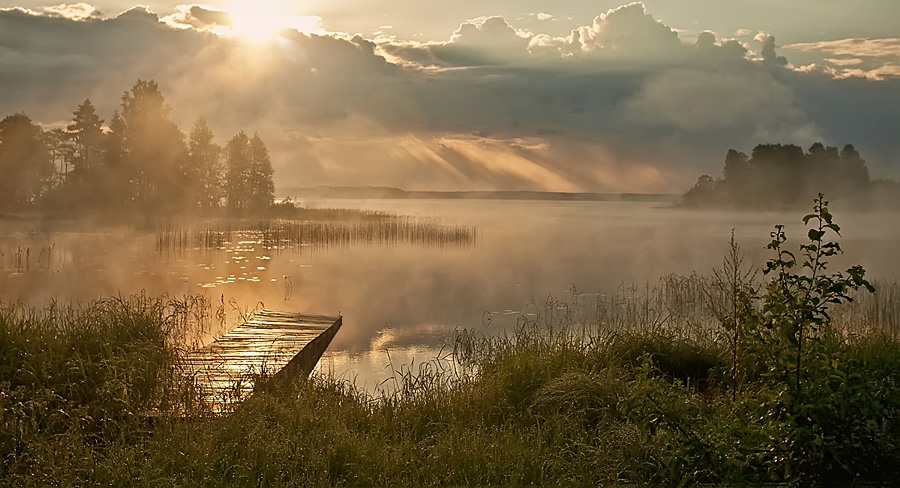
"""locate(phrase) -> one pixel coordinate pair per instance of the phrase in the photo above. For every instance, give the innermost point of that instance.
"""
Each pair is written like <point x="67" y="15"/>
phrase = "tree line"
<point x="783" y="175"/>
<point x="139" y="161"/>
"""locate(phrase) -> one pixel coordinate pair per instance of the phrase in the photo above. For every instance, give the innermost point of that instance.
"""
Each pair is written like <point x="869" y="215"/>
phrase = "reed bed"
<point x="691" y="305"/>
<point x="871" y="313"/>
<point x="20" y="258"/>
<point x="290" y="234"/>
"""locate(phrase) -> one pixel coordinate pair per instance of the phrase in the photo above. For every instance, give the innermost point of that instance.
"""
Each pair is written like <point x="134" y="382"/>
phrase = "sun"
<point x="258" y="20"/>
<point x="262" y="20"/>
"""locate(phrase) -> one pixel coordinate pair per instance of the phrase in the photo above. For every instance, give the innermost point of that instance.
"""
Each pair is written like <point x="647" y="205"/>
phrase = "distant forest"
<point x="139" y="162"/>
<point x="783" y="176"/>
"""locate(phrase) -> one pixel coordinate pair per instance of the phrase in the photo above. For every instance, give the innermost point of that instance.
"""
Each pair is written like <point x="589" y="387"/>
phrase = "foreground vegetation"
<point x="728" y="378"/>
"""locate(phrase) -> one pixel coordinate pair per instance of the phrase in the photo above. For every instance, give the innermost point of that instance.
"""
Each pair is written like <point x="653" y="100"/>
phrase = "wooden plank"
<point x="284" y="345"/>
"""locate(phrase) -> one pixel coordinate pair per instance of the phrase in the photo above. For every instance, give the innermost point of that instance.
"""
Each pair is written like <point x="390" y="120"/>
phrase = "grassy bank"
<point x="731" y="378"/>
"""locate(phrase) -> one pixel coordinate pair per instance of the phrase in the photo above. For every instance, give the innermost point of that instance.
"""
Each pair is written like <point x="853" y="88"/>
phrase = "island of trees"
<point x="784" y="176"/>
<point x="139" y="162"/>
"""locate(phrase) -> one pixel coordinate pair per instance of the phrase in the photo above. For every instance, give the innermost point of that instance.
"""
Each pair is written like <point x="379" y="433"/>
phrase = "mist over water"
<point x="408" y="298"/>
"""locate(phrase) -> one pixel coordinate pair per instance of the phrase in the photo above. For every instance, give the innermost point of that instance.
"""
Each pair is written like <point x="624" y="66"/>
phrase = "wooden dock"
<point x="281" y="346"/>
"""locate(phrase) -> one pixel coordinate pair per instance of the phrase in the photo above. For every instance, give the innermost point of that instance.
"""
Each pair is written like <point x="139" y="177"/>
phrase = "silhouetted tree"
<point x="853" y="172"/>
<point x="821" y="164"/>
<point x="206" y="159"/>
<point x="25" y="165"/>
<point x="739" y="179"/>
<point x="237" y="174"/>
<point x="702" y="193"/>
<point x="119" y="177"/>
<point x="737" y="167"/>
<point x="60" y="146"/>
<point x="87" y="134"/>
<point x="778" y="175"/>
<point x="156" y="151"/>
<point x="261" y="186"/>
<point x="248" y="178"/>
<point x="141" y="162"/>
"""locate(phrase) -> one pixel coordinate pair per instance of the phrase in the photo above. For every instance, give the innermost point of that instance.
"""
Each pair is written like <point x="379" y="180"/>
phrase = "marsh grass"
<point x="381" y="229"/>
<point x="19" y="258"/>
<point x="88" y="374"/>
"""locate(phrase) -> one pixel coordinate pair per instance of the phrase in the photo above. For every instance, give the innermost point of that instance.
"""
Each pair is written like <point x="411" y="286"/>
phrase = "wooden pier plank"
<point x="284" y="345"/>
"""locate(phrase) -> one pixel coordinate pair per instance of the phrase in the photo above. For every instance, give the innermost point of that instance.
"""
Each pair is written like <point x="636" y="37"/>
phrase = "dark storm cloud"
<point x="618" y="105"/>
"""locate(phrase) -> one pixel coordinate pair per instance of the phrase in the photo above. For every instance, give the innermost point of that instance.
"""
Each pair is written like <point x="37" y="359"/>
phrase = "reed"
<point x="297" y="235"/>
<point x="19" y="258"/>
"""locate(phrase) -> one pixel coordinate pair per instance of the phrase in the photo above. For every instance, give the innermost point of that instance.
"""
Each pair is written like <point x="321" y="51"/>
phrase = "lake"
<point x="402" y="301"/>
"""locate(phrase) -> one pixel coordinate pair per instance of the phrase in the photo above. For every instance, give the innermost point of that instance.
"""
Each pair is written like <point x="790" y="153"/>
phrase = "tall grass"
<point x="87" y="375"/>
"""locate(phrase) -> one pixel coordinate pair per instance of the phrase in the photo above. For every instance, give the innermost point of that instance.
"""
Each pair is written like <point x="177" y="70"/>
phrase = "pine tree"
<point x="206" y="162"/>
<point x="61" y="154"/>
<point x="86" y="133"/>
<point x="261" y="186"/>
<point x="156" y="151"/>
<point x="237" y="173"/>
<point x="119" y="177"/>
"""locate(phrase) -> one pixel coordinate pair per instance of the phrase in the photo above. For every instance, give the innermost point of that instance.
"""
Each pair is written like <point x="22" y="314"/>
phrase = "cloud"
<point x="207" y="19"/>
<point x="879" y="73"/>
<point x="628" y="30"/>
<point x="750" y="101"/>
<point x="200" y="18"/>
<point x="706" y="40"/>
<point x="490" y="40"/>
<point x="711" y="51"/>
<point x="769" y="57"/>
<point x="844" y="61"/>
<point x="857" y="47"/>
<point x="874" y="59"/>
<point x="818" y="68"/>
<point x="481" y="42"/>
<point x="73" y="11"/>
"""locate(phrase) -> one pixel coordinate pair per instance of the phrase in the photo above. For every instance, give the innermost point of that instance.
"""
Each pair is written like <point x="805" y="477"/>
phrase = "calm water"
<point x="407" y="299"/>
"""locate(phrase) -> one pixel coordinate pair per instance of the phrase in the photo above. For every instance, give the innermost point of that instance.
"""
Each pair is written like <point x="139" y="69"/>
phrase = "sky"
<point x="568" y="95"/>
